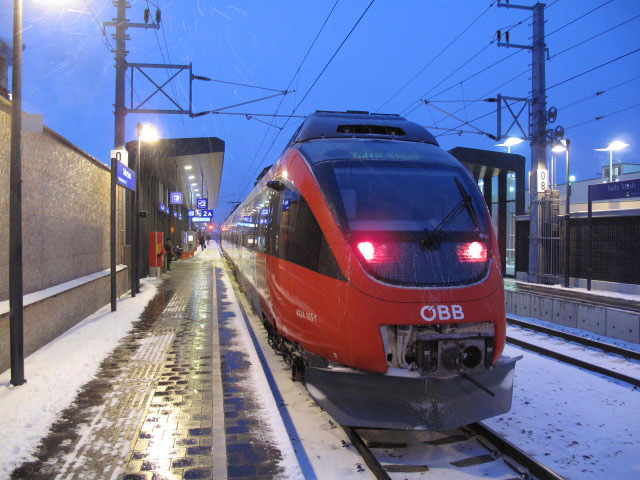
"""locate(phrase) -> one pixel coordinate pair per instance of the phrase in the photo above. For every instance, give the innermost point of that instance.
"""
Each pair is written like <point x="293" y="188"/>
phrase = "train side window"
<point x="263" y="208"/>
<point x="305" y="243"/>
<point x="288" y="210"/>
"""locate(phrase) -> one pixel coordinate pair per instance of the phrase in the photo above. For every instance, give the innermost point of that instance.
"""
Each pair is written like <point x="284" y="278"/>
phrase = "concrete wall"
<point x="47" y="319"/>
<point x="65" y="205"/>
<point x="66" y="218"/>
<point x="601" y="320"/>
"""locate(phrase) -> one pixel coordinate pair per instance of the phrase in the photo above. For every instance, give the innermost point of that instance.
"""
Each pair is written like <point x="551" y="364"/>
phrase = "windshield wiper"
<point x="465" y="202"/>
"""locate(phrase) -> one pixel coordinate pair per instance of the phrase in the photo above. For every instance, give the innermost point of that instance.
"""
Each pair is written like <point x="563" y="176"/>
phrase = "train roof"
<point x="357" y="124"/>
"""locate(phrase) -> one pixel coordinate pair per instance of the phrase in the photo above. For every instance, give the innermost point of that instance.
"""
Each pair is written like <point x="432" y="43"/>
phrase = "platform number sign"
<point x="202" y="203"/>
<point x="206" y="213"/>
<point x="175" y="198"/>
<point x="543" y="180"/>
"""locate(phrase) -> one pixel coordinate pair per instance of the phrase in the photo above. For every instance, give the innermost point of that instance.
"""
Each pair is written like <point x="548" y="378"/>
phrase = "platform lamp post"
<point x="16" y="332"/>
<point x="565" y="146"/>
<point x="510" y="142"/>
<point x="614" y="146"/>
<point x="145" y="133"/>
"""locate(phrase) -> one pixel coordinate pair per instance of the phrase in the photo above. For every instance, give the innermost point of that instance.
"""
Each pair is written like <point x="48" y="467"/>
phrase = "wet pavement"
<point x="170" y="401"/>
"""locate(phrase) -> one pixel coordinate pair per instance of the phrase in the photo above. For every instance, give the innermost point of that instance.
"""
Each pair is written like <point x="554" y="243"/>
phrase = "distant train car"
<point x="369" y="253"/>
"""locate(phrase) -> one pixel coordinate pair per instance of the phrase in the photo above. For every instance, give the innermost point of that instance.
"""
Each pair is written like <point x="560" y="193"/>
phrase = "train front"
<point x="424" y="304"/>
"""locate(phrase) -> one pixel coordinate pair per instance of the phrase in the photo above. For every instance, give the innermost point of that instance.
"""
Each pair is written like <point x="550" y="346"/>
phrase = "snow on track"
<point x="593" y="356"/>
<point x="580" y="424"/>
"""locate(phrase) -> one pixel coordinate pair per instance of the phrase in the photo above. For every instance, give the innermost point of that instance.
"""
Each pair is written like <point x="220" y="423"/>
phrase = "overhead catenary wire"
<point x="598" y="93"/>
<point x="594" y="36"/>
<point x="207" y="79"/>
<point x="275" y="115"/>
<point x="319" y="75"/>
<point x="216" y="110"/>
<point x="355" y="25"/>
<point x="435" y="57"/>
<point x="593" y="69"/>
<point x="600" y="117"/>
<point x="578" y="18"/>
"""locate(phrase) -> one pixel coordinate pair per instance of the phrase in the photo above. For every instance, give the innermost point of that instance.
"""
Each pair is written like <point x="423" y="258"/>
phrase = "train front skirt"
<point x="360" y="399"/>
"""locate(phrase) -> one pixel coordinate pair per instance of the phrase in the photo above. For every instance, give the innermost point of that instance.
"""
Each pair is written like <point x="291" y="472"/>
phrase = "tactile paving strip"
<point x="148" y="413"/>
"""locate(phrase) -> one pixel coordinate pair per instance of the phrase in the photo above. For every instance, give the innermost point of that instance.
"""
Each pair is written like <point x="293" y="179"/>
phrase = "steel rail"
<point x="505" y="447"/>
<point x="367" y="455"/>
<point x="497" y="443"/>
<point x="574" y="361"/>
<point x="587" y="342"/>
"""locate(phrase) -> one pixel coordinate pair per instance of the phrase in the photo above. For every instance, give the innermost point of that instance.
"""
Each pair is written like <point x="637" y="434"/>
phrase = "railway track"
<point x="467" y="452"/>
<point x="586" y="353"/>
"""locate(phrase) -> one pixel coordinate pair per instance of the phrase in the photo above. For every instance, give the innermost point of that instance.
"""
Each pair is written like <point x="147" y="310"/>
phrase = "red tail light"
<point x="367" y="250"/>
<point x="472" y="252"/>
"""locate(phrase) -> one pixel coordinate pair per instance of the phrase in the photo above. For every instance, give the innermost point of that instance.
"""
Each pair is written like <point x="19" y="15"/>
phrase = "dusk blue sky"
<point x="69" y="74"/>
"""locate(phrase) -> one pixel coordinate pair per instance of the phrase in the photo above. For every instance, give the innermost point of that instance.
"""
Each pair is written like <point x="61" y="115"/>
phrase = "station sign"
<point x="609" y="191"/>
<point x="201" y="219"/>
<point x="125" y="177"/>
<point x="202" y="203"/>
<point x="191" y="213"/>
<point x="163" y="208"/>
<point x="206" y="213"/>
<point x="175" y="198"/>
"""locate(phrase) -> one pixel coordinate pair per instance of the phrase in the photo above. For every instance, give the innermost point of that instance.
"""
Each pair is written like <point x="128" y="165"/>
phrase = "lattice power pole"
<point x="537" y="127"/>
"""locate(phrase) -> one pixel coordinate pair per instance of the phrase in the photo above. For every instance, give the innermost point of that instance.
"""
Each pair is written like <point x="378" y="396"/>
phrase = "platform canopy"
<point x="180" y="158"/>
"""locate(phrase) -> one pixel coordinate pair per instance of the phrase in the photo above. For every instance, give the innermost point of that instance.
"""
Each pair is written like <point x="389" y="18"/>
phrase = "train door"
<point x="276" y="270"/>
<point x="310" y="301"/>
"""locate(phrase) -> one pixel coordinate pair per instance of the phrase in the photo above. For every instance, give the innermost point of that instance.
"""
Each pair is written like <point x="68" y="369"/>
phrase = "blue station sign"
<point x="191" y="213"/>
<point x="125" y="177"/>
<point x="175" y="198"/>
<point x="610" y="191"/>
<point x="163" y="208"/>
<point x="206" y="213"/>
<point x="202" y="203"/>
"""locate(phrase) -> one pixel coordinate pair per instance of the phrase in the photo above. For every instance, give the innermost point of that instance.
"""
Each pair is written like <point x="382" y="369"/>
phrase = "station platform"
<point x="604" y="313"/>
<point x="174" y="400"/>
<point x="594" y="297"/>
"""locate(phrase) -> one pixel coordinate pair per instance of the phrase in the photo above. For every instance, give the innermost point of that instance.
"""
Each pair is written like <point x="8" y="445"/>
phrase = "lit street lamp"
<point x="510" y="142"/>
<point x="614" y="146"/>
<point x="564" y="146"/>
<point x="146" y="133"/>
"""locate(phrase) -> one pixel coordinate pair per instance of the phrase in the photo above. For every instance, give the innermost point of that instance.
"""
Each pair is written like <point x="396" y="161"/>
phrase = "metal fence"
<point x="615" y="254"/>
<point x="549" y="240"/>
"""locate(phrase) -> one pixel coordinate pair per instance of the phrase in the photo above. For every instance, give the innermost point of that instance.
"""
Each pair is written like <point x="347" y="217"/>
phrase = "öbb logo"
<point x="443" y="312"/>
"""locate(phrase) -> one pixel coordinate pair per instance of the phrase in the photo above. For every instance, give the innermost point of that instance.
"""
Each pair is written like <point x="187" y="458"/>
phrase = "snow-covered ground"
<point x="55" y="374"/>
<point x="579" y="424"/>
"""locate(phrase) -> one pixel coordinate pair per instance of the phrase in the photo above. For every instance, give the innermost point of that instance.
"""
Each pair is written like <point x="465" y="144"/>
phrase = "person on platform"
<point x="202" y="241"/>
<point x="169" y="249"/>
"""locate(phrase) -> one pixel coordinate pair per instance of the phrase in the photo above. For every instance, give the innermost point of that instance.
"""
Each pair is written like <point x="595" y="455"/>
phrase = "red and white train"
<point x="369" y="253"/>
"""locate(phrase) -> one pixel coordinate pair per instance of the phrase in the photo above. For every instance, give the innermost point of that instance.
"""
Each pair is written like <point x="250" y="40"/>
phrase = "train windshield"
<point x="411" y="222"/>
